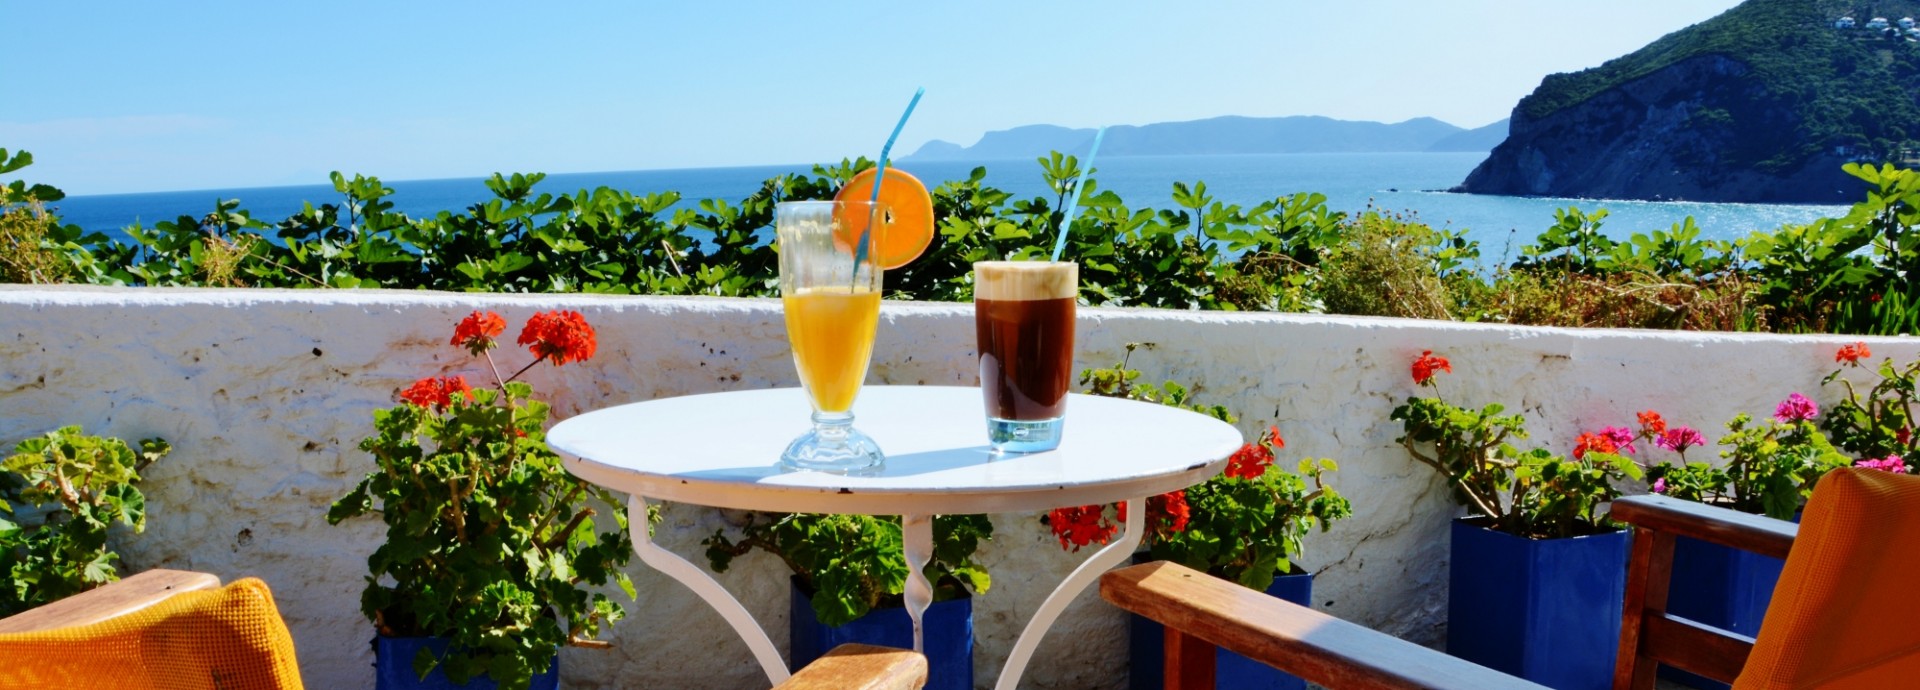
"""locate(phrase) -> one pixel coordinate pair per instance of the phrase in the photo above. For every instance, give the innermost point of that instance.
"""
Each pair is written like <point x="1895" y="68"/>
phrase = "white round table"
<point x="719" y="450"/>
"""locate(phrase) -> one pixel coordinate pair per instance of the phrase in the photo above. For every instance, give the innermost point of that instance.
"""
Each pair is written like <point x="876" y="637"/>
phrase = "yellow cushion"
<point x="230" y="638"/>
<point x="1844" y="615"/>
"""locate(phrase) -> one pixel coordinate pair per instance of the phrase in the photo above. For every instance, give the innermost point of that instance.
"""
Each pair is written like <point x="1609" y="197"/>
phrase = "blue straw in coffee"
<point x="1073" y="204"/>
<point x="880" y="176"/>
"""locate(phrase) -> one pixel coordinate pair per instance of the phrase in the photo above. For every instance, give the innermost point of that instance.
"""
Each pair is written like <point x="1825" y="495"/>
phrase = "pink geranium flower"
<point x="1891" y="463"/>
<point x="1796" y="408"/>
<point x="1622" y="439"/>
<point x="1679" y="438"/>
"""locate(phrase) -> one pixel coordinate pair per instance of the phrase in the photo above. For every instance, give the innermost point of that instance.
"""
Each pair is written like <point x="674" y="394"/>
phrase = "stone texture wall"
<point x="264" y="395"/>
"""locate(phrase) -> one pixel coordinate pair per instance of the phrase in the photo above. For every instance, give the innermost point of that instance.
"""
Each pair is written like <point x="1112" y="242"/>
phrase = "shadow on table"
<point x="903" y="465"/>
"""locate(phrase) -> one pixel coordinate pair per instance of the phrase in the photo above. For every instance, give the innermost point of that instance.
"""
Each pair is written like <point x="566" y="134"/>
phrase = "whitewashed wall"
<point x="264" y="395"/>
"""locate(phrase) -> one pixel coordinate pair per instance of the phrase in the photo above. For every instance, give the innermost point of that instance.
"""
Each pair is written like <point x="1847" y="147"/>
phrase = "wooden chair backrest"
<point x="230" y="638"/>
<point x="1844" y="615"/>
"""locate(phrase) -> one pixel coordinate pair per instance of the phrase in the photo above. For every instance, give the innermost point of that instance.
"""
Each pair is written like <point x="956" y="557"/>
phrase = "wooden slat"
<point x="862" y="667"/>
<point x="1306" y="643"/>
<point x="1189" y="663"/>
<point x="1756" y="533"/>
<point x="1648" y="635"/>
<point x="120" y="598"/>
<point x="1649" y="574"/>
<point x="1707" y="651"/>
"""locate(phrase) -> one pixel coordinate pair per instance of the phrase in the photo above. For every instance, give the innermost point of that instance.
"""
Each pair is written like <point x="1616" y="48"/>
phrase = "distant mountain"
<point x="1473" y="140"/>
<point x="1019" y="142"/>
<point x="1219" y="135"/>
<point x="1763" y="103"/>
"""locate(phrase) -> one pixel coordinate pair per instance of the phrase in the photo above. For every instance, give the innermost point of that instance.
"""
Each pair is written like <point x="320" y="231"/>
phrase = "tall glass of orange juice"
<point x="830" y="289"/>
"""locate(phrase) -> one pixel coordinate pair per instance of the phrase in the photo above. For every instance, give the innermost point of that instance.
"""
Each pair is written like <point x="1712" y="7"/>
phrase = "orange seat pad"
<point x="230" y="638"/>
<point x="1845" y="614"/>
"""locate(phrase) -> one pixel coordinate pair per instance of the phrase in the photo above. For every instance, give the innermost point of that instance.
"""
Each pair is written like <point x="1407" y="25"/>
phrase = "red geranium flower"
<point x="559" y="336"/>
<point x="477" y="331"/>
<point x="1426" y="365"/>
<point x="1651" y="423"/>
<point x="1078" y="526"/>
<point x="1592" y="442"/>
<point x="1168" y="512"/>
<point x="1852" y="354"/>
<point x="435" y="393"/>
<point x="1250" y="461"/>
<point x="1253" y="459"/>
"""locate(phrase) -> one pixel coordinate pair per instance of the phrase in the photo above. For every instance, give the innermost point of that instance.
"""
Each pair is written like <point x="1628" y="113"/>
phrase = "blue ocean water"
<point x="1398" y="182"/>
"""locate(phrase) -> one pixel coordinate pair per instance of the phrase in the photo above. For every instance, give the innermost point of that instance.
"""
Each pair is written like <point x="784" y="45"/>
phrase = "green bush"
<point x="1533" y="493"/>
<point x="1386" y="266"/>
<point x="1852" y="274"/>
<point x="1245" y="525"/>
<point x="852" y="564"/>
<point x="61" y="493"/>
<point x="489" y="542"/>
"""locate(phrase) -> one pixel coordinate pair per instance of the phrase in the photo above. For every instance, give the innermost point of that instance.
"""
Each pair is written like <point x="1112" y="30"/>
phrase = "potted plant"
<point x="59" y="495"/>
<point x="1538" y="571"/>
<point x="1245" y="525"/>
<point x="848" y="577"/>
<point x="1879" y="425"/>
<point x="490" y="545"/>
<point x="1770" y="468"/>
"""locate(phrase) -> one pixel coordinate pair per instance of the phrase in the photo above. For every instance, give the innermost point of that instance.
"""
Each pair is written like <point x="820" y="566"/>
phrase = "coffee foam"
<point x="1025" y="280"/>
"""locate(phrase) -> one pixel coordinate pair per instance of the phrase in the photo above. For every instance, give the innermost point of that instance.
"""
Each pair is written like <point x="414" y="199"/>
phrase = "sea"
<point x="1405" y="183"/>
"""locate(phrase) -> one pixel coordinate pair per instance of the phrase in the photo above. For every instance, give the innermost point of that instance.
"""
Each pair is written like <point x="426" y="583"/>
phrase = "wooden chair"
<point x="1843" y="616"/>
<point x="162" y="629"/>
<point x="232" y="637"/>
<point x="862" y="667"/>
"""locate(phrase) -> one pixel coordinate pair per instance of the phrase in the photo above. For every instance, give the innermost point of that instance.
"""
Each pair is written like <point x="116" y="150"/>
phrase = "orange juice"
<point x="831" y="331"/>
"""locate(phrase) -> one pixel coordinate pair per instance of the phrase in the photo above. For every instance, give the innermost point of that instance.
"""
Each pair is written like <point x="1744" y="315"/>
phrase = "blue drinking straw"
<point x="1073" y="204"/>
<point x="879" y="177"/>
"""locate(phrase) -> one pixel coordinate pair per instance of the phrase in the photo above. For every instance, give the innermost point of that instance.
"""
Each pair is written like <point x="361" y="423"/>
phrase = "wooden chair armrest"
<point x="115" y="599"/>
<point x="1312" y="645"/>
<point x="1756" y="533"/>
<point x="862" y="667"/>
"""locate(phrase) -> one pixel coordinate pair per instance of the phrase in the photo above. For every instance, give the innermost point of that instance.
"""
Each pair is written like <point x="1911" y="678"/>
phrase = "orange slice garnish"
<point x="908" y="227"/>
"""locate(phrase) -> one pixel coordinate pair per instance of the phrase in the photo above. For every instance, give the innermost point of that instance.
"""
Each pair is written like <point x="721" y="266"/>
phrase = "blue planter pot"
<point x="1722" y="587"/>
<point x="1147" y="643"/>
<point x="393" y="667"/>
<point x="1547" y="610"/>
<point x="948" y="635"/>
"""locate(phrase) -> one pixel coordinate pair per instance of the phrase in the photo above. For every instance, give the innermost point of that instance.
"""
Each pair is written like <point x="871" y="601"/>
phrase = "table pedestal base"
<point x="917" y="542"/>
<point x="1089" y="571"/>
<point x="709" y="590"/>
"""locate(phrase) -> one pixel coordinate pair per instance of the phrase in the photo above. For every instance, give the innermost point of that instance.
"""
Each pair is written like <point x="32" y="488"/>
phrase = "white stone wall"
<point x="264" y="395"/>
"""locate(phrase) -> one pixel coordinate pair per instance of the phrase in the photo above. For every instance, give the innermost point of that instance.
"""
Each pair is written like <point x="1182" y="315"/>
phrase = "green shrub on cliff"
<point x="1846" y="88"/>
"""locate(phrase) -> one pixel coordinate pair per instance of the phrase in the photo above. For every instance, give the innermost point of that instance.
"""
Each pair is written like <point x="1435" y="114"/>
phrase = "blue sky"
<point x="122" y="96"/>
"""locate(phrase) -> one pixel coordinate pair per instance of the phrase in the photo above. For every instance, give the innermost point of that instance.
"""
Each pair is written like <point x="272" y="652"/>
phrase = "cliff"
<point x="1763" y="103"/>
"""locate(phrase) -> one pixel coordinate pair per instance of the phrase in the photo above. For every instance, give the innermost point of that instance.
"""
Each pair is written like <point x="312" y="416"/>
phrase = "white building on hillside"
<point x="1877" y="23"/>
<point x="1843" y="23"/>
<point x="1906" y="22"/>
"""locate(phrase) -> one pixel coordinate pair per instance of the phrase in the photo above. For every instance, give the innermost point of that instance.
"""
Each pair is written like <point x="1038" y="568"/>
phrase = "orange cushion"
<point x="230" y="638"/>
<point x="1845" y="615"/>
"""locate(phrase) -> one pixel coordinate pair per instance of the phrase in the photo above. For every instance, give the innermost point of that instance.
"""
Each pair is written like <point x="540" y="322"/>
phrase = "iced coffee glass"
<point x="1023" y="319"/>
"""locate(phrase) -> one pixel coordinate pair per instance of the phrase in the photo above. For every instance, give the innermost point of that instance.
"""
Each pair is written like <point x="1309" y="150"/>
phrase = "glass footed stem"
<point x="833" y="445"/>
